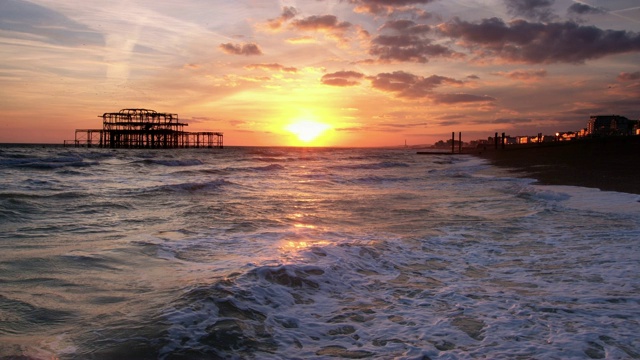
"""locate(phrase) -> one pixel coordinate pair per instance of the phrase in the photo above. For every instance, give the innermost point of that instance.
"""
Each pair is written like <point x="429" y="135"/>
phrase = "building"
<point x="607" y="125"/>
<point x="143" y="128"/>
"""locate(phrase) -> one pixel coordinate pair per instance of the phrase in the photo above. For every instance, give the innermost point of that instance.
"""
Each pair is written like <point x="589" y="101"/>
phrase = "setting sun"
<point x="307" y="130"/>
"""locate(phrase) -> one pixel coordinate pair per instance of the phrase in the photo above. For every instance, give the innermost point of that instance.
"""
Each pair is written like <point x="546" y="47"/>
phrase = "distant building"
<point x="566" y="136"/>
<point x="607" y="125"/>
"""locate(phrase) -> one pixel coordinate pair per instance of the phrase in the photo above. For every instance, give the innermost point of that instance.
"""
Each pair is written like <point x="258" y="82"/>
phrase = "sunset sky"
<point x="357" y="72"/>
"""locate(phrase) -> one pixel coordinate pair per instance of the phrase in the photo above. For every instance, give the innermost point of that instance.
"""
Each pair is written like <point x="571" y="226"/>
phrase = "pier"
<point x="142" y="129"/>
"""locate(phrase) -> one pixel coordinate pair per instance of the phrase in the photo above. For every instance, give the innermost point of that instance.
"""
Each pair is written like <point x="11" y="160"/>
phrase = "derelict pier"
<point x="142" y="129"/>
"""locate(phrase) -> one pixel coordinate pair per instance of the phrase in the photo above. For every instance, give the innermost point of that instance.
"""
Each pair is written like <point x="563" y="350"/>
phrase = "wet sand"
<point x="609" y="164"/>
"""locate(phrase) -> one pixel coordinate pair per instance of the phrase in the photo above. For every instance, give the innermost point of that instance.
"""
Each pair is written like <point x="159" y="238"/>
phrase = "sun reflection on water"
<point x="293" y="250"/>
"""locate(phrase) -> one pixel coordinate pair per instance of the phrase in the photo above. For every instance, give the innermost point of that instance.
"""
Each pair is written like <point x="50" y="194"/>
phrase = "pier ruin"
<point x="142" y="129"/>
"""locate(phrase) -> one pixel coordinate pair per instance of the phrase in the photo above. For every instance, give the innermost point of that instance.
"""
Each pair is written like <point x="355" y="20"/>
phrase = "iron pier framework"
<point x="143" y="128"/>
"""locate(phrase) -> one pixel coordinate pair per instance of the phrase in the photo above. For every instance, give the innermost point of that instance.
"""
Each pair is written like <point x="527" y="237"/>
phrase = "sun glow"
<point x="307" y="130"/>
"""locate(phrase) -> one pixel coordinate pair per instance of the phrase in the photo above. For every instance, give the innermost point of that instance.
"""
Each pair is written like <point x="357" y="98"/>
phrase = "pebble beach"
<point x="609" y="164"/>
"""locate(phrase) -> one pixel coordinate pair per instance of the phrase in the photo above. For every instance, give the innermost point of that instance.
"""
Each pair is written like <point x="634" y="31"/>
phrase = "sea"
<point x="308" y="253"/>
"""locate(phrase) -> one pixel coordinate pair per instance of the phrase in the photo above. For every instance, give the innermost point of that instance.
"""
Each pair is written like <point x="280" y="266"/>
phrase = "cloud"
<point x="539" y="43"/>
<point x="405" y="40"/>
<point x="342" y="78"/>
<point x="407" y="85"/>
<point x="385" y="6"/>
<point x="321" y="23"/>
<point x="460" y="98"/>
<point x="511" y="120"/>
<point x="22" y="17"/>
<point x="288" y="13"/>
<point x="327" y="24"/>
<point x="238" y="49"/>
<point x="525" y="75"/>
<point x="301" y="40"/>
<point x="406" y="27"/>
<point x="531" y="9"/>
<point x="583" y="9"/>
<point x="271" y="67"/>
<point x="625" y="76"/>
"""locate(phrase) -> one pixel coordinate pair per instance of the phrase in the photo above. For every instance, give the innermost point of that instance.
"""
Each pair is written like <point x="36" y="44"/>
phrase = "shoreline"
<point x="609" y="164"/>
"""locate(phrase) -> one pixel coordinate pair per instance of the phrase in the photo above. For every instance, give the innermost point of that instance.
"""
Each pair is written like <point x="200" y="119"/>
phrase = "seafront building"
<point x="597" y="126"/>
<point x="143" y="128"/>
<point x="608" y="125"/>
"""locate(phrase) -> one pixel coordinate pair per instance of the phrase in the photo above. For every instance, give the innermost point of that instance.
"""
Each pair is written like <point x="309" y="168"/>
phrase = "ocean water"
<point x="287" y="253"/>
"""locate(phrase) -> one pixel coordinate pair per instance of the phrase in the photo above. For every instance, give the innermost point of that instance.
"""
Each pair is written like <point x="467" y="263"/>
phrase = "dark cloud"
<point x="511" y="121"/>
<point x="583" y="9"/>
<point x="238" y="49"/>
<point x="625" y="76"/>
<point x="531" y="9"/>
<point x="385" y="6"/>
<point x="407" y="85"/>
<point x="22" y="17"/>
<point x="535" y="43"/>
<point x="525" y="75"/>
<point x="405" y="40"/>
<point x="271" y="67"/>
<point x="406" y="27"/>
<point x="320" y="23"/>
<point x="460" y="98"/>
<point x="342" y="78"/>
<point x="288" y="13"/>
<point x="327" y="24"/>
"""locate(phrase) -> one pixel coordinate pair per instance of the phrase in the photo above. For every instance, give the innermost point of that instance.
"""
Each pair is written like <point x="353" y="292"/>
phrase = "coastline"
<point x="609" y="164"/>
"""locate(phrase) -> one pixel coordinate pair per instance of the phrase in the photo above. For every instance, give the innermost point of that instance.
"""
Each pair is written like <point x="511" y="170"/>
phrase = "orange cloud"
<point x="342" y="78"/>
<point x="241" y="49"/>
<point x="625" y="76"/>
<point x="271" y="67"/>
<point x="524" y="75"/>
<point x="327" y="24"/>
<point x="385" y="6"/>
<point x="288" y="13"/>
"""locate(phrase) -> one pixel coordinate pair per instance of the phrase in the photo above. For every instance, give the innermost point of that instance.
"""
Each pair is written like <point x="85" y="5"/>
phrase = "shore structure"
<point x="142" y="129"/>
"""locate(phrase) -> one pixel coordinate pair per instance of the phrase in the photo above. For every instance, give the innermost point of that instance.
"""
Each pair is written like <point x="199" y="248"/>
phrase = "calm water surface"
<point x="283" y="253"/>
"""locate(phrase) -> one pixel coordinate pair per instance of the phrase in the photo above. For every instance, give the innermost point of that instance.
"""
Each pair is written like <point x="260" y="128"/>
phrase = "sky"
<point x="319" y="72"/>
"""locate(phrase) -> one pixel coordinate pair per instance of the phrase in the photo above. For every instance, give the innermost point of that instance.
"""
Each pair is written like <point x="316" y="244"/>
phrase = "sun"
<point x="307" y="130"/>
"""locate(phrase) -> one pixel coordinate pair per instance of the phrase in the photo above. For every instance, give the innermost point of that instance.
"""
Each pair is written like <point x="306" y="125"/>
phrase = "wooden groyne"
<point x="143" y="128"/>
<point x="453" y="146"/>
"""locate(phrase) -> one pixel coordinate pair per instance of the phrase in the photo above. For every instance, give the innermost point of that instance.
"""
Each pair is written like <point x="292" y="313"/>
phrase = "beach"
<point x="609" y="164"/>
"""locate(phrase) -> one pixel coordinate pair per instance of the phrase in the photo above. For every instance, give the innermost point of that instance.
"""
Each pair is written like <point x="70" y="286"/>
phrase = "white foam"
<point x="590" y="199"/>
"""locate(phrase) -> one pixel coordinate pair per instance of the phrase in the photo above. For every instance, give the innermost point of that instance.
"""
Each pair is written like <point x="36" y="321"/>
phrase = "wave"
<point x="272" y="167"/>
<point x="165" y="162"/>
<point x="46" y="163"/>
<point x="380" y="179"/>
<point x="268" y="159"/>
<point x="62" y="195"/>
<point x="191" y="186"/>
<point x="372" y="166"/>
<point x="26" y="317"/>
<point x="302" y="307"/>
